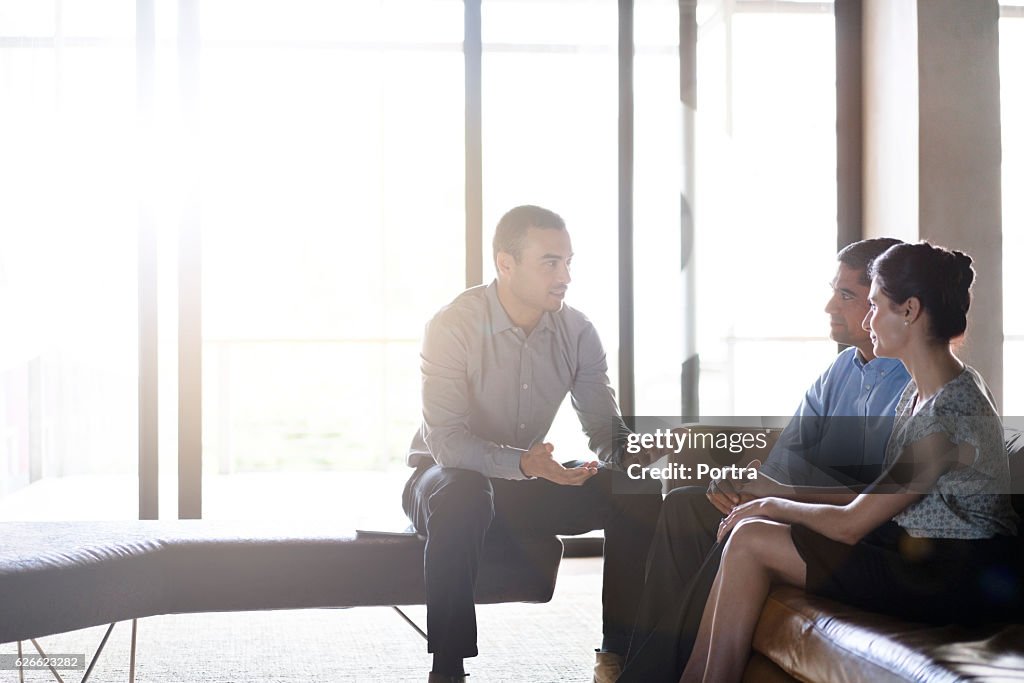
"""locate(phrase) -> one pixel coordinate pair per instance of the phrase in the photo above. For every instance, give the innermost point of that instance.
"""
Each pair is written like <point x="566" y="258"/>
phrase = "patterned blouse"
<point x="969" y="501"/>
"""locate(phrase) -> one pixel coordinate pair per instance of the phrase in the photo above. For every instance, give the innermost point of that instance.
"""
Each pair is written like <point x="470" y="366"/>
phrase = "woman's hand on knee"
<point x="774" y="509"/>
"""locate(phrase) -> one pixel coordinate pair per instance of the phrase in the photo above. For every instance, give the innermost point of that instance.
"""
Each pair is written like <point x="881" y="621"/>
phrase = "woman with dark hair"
<point x="930" y="540"/>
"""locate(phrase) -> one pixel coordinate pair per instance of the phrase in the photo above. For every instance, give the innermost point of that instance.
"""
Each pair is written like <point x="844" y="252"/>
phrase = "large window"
<point x="550" y="111"/>
<point x="68" y="298"/>
<point x="765" y="202"/>
<point x="319" y="149"/>
<point x="331" y="164"/>
<point x="657" y="308"/>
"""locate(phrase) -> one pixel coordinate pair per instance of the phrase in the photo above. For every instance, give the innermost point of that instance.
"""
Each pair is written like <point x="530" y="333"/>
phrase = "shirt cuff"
<point x="506" y="462"/>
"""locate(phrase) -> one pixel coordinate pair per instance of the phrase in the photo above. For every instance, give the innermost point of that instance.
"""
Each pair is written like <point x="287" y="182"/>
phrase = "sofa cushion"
<point x="813" y="639"/>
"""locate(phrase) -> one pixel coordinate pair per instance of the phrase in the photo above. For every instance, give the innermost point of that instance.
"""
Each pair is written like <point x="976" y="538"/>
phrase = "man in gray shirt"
<point x="496" y="364"/>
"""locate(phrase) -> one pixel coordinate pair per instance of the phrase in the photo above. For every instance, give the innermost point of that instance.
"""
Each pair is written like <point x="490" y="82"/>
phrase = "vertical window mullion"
<point x="190" y="339"/>
<point x="145" y="53"/>
<point x="473" y="49"/>
<point x="690" y="372"/>
<point x="627" y="401"/>
<point x="849" y="122"/>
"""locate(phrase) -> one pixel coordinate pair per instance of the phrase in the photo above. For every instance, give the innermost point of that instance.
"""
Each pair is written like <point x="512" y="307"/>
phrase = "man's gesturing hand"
<point x="538" y="462"/>
<point x="725" y="493"/>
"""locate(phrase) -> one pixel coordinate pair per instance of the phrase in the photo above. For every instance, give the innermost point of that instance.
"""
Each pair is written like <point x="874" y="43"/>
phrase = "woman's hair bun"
<point x="963" y="269"/>
<point x="940" y="279"/>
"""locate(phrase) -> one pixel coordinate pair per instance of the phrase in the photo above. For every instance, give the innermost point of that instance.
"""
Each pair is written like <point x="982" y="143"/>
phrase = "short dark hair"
<point x="859" y="255"/>
<point x="940" y="279"/>
<point x="512" y="227"/>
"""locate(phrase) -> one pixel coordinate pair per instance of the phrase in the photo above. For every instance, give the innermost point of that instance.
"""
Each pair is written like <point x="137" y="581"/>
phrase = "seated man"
<point x="835" y="444"/>
<point x="497" y="363"/>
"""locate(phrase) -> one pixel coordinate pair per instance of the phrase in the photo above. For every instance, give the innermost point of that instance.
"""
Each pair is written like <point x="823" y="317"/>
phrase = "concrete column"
<point x="932" y="145"/>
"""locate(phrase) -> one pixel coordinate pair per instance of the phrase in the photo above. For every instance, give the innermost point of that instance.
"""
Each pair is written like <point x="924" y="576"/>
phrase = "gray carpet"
<point x="518" y="642"/>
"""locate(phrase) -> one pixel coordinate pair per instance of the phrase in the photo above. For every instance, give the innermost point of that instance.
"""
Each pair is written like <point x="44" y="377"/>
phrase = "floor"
<point x="518" y="642"/>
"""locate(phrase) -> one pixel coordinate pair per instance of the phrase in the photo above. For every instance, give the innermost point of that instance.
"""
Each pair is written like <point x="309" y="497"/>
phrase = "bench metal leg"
<point x="43" y="655"/>
<point x="131" y="659"/>
<point x="95" y="657"/>
<point x="98" y="651"/>
<point x="410" y="622"/>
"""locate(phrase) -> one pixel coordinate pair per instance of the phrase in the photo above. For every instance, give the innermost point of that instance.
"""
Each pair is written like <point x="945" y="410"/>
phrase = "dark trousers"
<point x="681" y="568"/>
<point x="457" y="508"/>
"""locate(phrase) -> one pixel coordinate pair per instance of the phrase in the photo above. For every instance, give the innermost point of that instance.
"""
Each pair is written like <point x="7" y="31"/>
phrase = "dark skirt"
<point x="931" y="580"/>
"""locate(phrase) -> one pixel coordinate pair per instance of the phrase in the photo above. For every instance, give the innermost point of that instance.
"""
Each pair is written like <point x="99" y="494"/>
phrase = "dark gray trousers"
<point x="457" y="508"/>
<point x="681" y="568"/>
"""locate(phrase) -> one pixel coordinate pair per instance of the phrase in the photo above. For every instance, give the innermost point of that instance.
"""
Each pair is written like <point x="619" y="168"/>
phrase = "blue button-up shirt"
<point x="839" y="434"/>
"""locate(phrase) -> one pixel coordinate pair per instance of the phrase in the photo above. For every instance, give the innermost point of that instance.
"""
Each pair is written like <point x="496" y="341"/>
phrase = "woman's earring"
<point x="906" y="322"/>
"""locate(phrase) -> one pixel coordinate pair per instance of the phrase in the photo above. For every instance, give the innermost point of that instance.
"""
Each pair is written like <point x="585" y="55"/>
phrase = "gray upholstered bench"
<point x="62" y="576"/>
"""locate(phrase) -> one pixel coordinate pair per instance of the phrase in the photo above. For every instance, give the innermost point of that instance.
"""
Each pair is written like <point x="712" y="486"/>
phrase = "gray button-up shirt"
<point x="490" y="392"/>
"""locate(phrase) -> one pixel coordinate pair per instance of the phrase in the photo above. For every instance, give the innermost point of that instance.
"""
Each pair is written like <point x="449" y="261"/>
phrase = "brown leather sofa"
<point x="801" y="637"/>
<point x="805" y="638"/>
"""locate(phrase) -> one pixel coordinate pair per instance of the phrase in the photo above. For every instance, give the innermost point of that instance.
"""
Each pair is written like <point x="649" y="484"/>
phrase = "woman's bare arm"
<point x="914" y="474"/>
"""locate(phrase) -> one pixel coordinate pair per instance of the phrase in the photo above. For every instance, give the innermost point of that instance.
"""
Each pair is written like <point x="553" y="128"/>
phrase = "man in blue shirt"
<point x="834" y="445"/>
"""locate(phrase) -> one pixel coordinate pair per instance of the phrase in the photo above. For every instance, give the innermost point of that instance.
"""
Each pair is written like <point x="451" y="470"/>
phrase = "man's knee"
<point x="683" y="506"/>
<point x="465" y="499"/>
<point x="686" y="497"/>
<point x="623" y="501"/>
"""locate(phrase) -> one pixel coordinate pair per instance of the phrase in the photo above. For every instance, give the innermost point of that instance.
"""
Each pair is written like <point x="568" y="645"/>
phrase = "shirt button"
<point x="526" y="386"/>
<point x="522" y="426"/>
<point x="868" y="386"/>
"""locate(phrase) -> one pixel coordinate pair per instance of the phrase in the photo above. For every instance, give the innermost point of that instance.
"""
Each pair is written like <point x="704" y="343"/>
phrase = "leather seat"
<point x="813" y="639"/>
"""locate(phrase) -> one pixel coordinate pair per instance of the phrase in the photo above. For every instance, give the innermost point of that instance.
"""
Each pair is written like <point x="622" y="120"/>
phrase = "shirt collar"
<point x="545" y="322"/>
<point x="499" y="318"/>
<point x="876" y="363"/>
